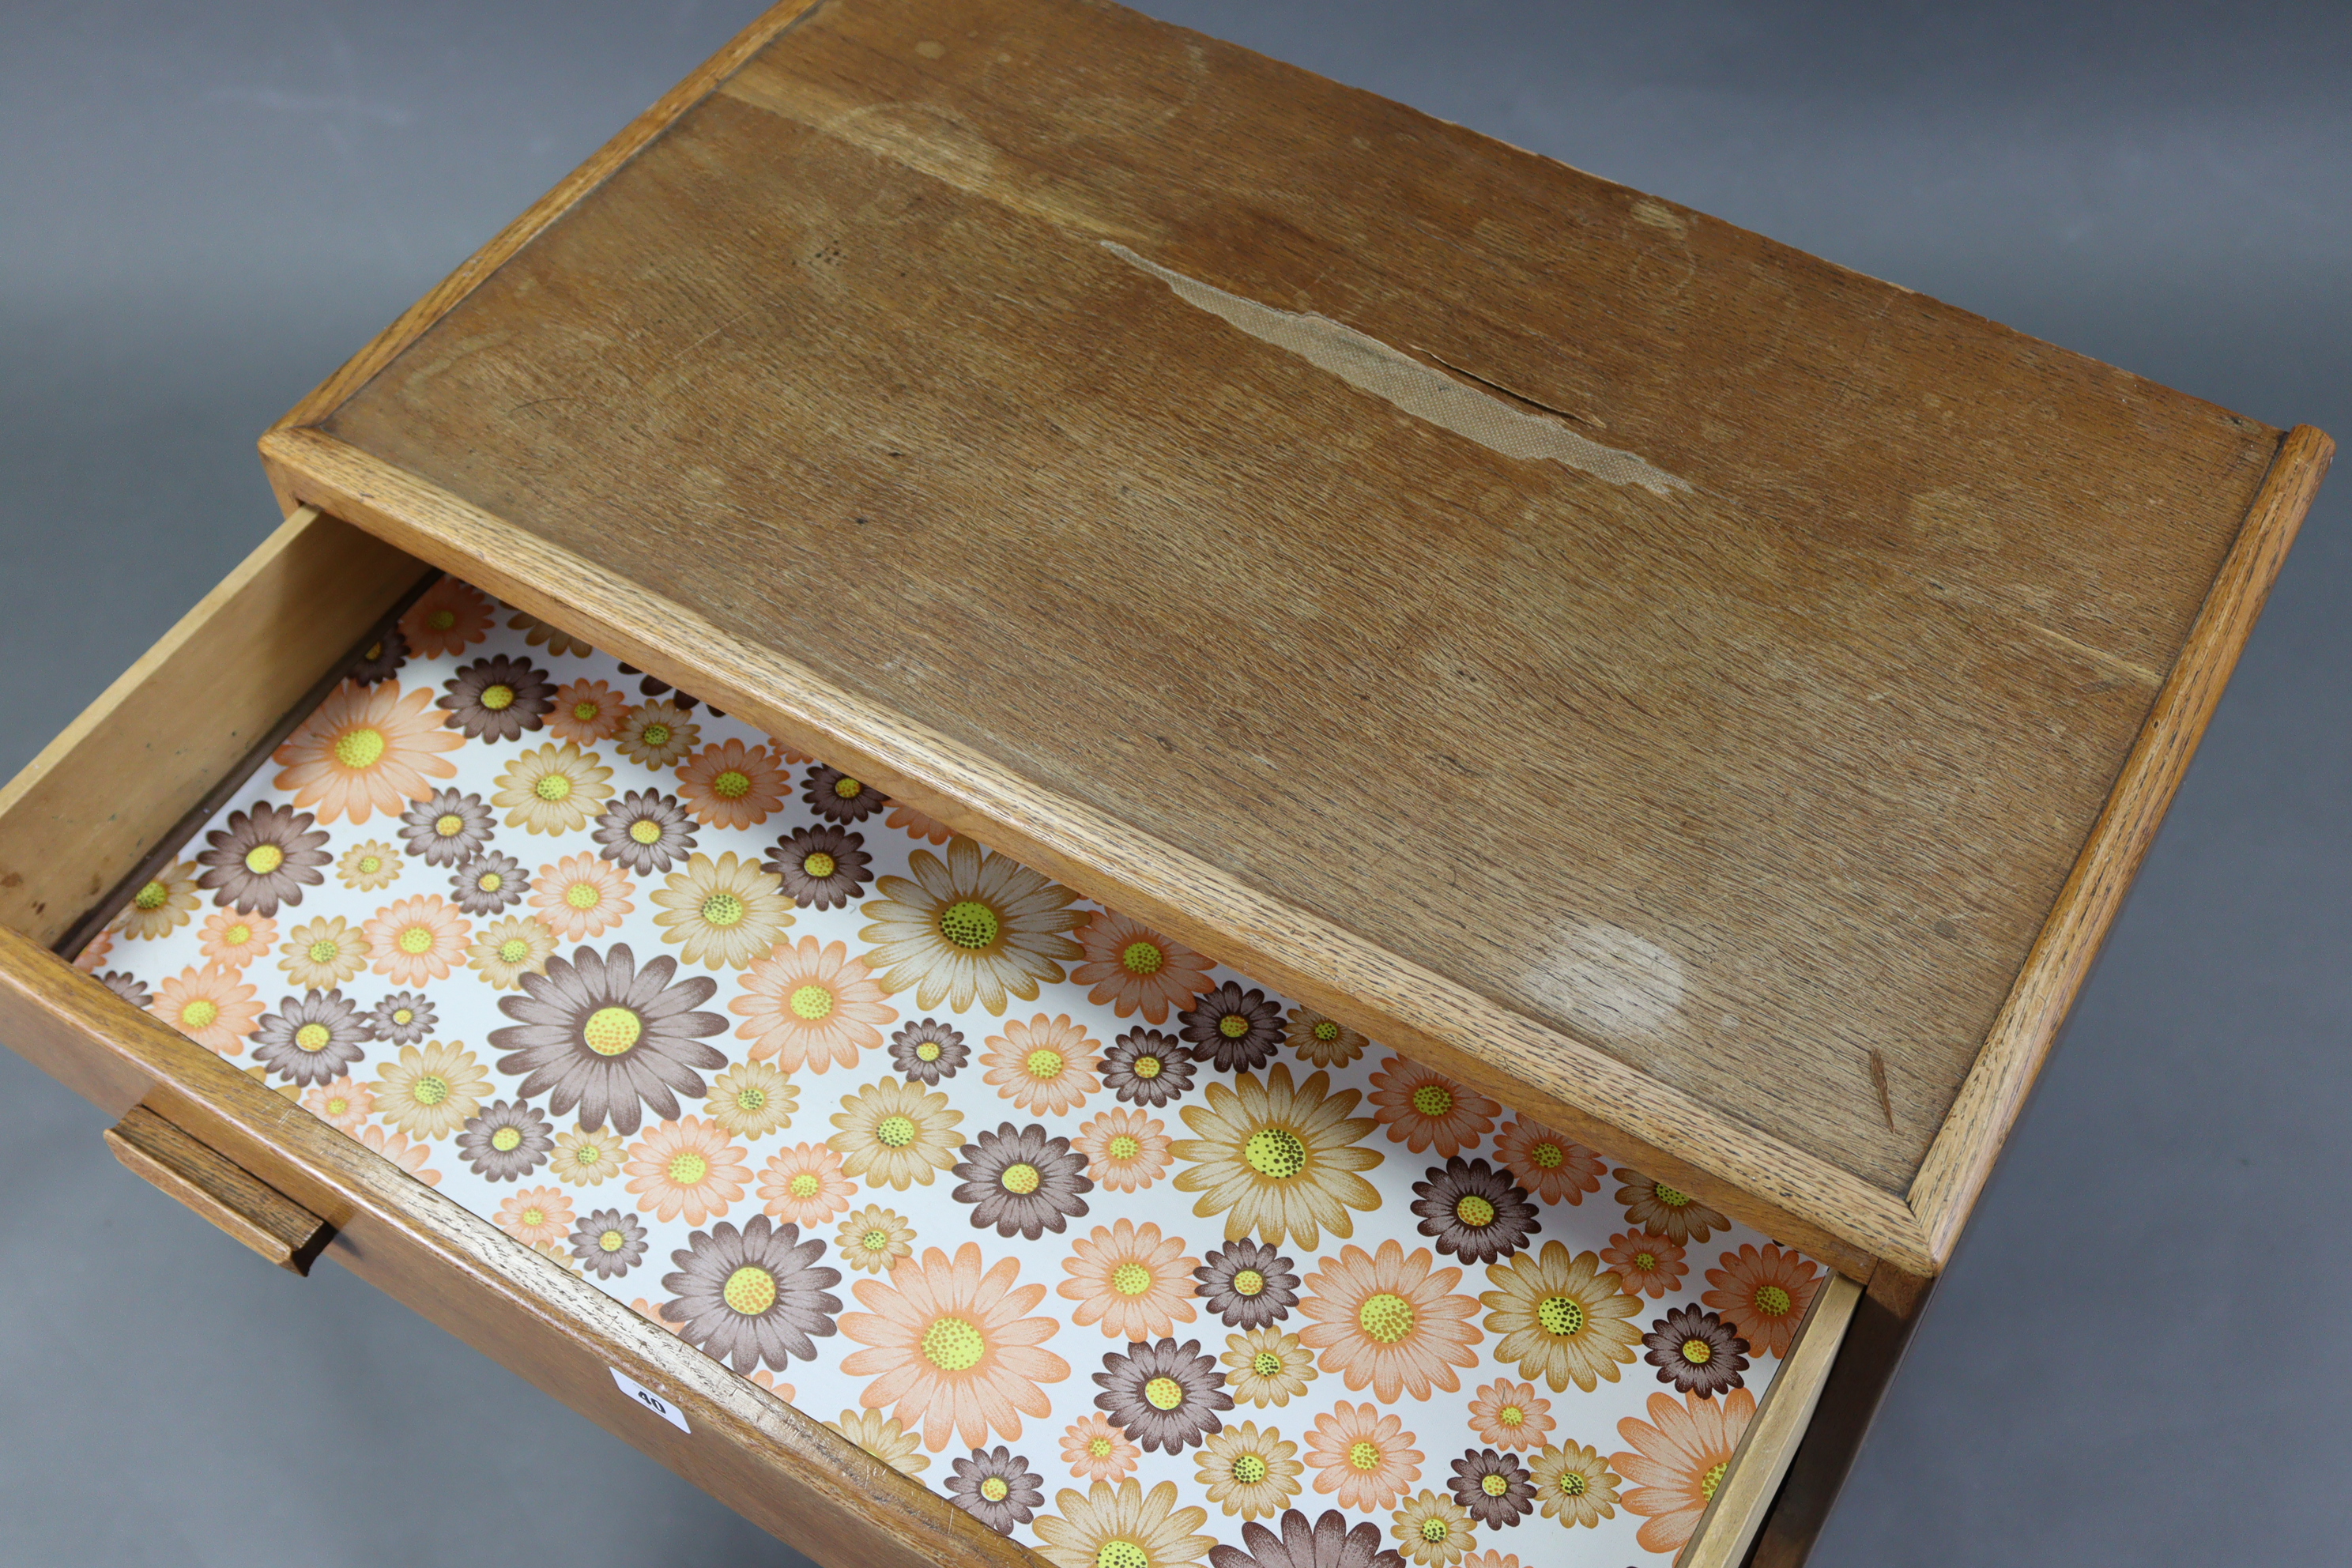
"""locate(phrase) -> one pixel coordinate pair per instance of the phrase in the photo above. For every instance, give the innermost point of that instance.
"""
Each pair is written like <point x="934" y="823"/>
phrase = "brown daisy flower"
<point x="601" y="1034"/>
<point x="1248" y="1284"/>
<point x="447" y="827"/>
<point x="1144" y="1066"/>
<point x="1493" y="1488"/>
<point x="264" y="857"/>
<point x="1164" y="1395"/>
<point x="497" y="699"/>
<point x="506" y="1140"/>
<point x="1331" y="1541"/>
<point x="1020" y="1179"/>
<point x="996" y="1488"/>
<point x="380" y="660"/>
<point x="821" y="868"/>
<point x="1235" y="1029"/>
<point x="753" y="1295"/>
<point x="310" y="1040"/>
<point x="1474" y="1212"/>
<point x="929" y="1052"/>
<point x="1696" y="1351"/>
<point x="644" y="830"/>
<point x="835" y="796"/>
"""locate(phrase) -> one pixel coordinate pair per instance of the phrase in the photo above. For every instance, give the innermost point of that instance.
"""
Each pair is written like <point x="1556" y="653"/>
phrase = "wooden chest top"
<point x="1621" y="659"/>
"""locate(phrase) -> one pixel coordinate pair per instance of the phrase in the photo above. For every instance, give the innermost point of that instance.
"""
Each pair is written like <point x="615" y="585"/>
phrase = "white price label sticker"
<point x="651" y="1401"/>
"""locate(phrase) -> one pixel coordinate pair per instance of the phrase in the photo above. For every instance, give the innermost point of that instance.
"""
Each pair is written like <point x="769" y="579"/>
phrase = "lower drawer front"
<point x="618" y="1040"/>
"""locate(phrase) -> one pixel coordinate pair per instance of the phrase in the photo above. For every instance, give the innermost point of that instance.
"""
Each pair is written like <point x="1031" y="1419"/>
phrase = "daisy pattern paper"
<point x="1130" y="1258"/>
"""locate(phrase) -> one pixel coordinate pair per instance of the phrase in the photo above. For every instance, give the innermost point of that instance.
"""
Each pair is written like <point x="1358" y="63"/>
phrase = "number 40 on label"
<point x="651" y="1401"/>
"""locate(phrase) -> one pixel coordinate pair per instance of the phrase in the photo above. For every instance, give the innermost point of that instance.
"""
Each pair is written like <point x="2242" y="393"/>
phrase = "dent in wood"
<point x="1365" y="362"/>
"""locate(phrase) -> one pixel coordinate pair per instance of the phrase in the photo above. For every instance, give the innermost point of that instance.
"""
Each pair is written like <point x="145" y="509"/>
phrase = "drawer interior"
<point x="1079" y="1231"/>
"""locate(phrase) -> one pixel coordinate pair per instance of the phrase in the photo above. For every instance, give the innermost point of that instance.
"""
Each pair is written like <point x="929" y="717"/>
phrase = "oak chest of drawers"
<point x="1585" y="751"/>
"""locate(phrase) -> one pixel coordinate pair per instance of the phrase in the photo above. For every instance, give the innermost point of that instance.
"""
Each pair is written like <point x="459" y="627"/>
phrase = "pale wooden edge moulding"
<point x="289" y="1187"/>
<point x="1802" y="1200"/>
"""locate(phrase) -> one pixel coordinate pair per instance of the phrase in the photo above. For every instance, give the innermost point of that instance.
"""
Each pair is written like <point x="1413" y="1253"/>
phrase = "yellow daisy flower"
<point x="556" y="788"/>
<point x="1560" y="1317"/>
<point x="1278" y="1161"/>
<point x="975" y="928"/>
<point x="432" y="1090"/>
<point x="894" y="1133"/>
<point x="722" y="913"/>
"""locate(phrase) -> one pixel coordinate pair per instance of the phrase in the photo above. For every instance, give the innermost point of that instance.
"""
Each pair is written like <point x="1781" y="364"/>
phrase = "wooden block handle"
<point x="256" y="1213"/>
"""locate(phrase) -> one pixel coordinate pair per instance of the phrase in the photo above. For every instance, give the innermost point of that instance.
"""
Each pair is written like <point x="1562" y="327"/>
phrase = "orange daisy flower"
<point x="587" y="711"/>
<point x="1129" y="1280"/>
<point x="1649" y="1264"/>
<point x="394" y="1146"/>
<point x="1134" y="969"/>
<point x="539" y="1215"/>
<point x="906" y="819"/>
<point x="1126" y="1151"/>
<point x="233" y="941"/>
<point x="94" y="952"/>
<point x="1389" y="1320"/>
<point x="687" y="1167"/>
<point x="811" y="1006"/>
<point x="1097" y="1451"/>
<point x="342" y="1105"/>
<point x="1046" y="1066"/>
<point x="211" y="1005"/>
<point x="805" y="1185"/>
<point x="952" y="1347"/>
<point x="1556" y="1169"/>
<point x="449" y="618"/>
<point x="367" y="749"/>
<point x="1511" y="1415"/>
<point x="1679" y="1458"/>
<point x="582" y="896"/>
<point x="1362" y="1454"/>
<point x="1421" y="1106"/>
<point x="730" y="784"/>
<point x="419" y="939"/>
<point x="1763" y="1295"/>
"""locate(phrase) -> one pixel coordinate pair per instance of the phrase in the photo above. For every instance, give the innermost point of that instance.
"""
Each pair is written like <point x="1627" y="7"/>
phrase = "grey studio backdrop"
<point x="2138" y="1356"/>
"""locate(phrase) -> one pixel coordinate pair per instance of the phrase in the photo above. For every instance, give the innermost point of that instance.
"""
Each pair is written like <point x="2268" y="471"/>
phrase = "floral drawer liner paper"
<point x="1133" y="1260"/>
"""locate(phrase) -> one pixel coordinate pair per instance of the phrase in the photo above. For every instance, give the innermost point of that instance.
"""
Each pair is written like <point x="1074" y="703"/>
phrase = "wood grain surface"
<point x="224" y="1192"/>
<point x="134" y="765"/>
<point x="977" y="359"/>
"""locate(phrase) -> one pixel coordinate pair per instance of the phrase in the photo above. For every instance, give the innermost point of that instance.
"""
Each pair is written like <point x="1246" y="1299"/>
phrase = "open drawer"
<point x="1235" y="1256"/>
